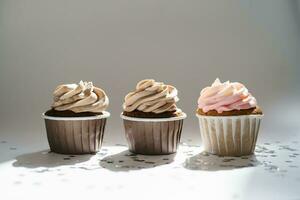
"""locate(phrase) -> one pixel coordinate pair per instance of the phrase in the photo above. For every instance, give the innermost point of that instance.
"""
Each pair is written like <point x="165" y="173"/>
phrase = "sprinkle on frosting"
<point x="225" y="96"/>
<point x="152" y="96"/>
<point x="82" y="97"/>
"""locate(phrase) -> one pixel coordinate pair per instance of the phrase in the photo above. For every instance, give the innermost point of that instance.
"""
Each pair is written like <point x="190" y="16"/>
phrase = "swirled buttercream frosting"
<point x="226" y="96"/>
<point x="152" y="96"/>
<point x="81" y="97"/>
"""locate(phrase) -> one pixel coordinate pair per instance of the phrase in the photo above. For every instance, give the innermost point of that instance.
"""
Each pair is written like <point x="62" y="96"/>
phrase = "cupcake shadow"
<point x="209" y="162"/>
<point x="128" y="161"/>
<point x="48" y="159"/>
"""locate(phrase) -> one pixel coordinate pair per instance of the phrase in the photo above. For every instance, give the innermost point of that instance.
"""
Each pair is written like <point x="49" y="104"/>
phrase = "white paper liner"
<point x="229" y="135"/>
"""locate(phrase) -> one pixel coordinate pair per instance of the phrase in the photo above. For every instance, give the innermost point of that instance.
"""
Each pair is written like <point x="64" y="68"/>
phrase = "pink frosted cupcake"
<point x="229" y="119"/>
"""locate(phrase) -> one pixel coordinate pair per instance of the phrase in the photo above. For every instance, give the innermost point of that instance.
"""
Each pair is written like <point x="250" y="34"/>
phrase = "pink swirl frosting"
<point x="225" y="96"/>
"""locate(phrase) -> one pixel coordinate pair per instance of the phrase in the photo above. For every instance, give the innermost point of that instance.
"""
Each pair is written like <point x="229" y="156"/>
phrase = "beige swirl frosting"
<point x="152" y="96"/>
<point x="82" y="97"/>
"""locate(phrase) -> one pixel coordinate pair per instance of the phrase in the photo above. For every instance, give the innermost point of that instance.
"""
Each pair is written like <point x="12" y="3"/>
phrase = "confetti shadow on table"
<point x="208" y="162"/>
<point x="48" y="159"/>
<point x="127" y="161"/>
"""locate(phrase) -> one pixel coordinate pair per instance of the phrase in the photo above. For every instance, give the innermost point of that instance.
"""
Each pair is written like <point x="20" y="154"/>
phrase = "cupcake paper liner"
<point x="155" y="136"/>
<point x="229" y="135"/>
<point x="75" y="135"/>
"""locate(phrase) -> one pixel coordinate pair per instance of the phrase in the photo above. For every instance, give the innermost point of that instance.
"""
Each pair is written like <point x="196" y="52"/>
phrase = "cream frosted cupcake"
<point x="76" y="122"/>
<point x="152" y="121"/>
<point x="229" y="119"/>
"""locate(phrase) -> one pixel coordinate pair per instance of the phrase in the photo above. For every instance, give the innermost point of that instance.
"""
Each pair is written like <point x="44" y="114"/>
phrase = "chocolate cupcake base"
<point x="153" y="136"/>
<point x="75" y="135"/>
<point x="140" y="114"/>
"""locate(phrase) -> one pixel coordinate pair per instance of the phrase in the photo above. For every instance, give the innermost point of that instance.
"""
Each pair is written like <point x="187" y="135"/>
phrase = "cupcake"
<point x="229" y="119"/>
<point x="76" y="122"/>
<point x="152" y="121"/>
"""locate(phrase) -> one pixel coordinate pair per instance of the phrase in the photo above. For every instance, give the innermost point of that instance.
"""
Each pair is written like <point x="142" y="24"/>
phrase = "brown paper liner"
<point x="153" y="137"/>
<point x="229" y="136"/>
<point x="75" y="136"/>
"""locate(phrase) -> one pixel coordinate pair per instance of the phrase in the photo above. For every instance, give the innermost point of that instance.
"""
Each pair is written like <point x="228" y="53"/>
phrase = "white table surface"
<point x="27" y="169"/>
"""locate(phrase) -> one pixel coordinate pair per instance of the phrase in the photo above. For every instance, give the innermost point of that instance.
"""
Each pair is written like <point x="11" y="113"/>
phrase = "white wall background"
<point x="116" y="43"/>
